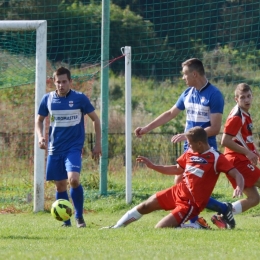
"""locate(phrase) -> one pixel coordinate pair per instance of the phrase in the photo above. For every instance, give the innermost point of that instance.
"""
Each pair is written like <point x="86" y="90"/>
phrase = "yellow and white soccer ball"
<point x="62" y="210"/>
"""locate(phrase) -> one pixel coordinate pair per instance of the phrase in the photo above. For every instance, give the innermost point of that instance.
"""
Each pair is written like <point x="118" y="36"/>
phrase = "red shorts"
<point x="250" y="173"/>
<point x="182" y="208"/>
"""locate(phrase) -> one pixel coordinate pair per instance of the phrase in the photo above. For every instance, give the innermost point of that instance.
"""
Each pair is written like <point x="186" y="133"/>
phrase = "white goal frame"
<point x="40" y="88"/>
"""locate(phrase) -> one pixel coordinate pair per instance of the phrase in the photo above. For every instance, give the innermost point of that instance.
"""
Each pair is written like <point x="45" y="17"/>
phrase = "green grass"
<point x="30" y="235"/>
<point x="39" y="236"/>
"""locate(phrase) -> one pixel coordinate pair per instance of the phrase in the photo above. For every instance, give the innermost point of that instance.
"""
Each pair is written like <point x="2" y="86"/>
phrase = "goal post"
<point x="40" y="26"/>
<point x="128" y="122"/>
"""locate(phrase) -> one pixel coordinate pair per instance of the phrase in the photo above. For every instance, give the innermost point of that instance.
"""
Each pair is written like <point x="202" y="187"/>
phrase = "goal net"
<point x="18" y="111"/>
<point x="24" y="78"/>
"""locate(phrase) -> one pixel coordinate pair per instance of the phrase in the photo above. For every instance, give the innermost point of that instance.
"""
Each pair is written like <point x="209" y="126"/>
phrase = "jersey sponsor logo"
<point x="198" y="159"/>
<point x="61" y="118"/>
<point x="197" y="112"/>
<point x="65" y="118"/>
<point x="194" y="170"/>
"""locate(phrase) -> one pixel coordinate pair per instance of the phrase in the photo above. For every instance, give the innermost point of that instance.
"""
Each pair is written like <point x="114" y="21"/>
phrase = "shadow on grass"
<point x="117" y="195"/>
<point x="24" y="237"/>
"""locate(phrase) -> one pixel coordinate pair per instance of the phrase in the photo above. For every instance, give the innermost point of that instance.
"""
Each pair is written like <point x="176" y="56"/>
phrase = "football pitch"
<point x="39" y="236"/>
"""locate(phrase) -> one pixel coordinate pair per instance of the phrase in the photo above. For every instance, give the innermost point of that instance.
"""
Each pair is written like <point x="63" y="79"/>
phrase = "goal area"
<point x="22" y="112"/>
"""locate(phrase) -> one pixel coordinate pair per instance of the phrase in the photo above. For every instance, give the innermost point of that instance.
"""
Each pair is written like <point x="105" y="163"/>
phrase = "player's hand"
<point x="178" y="138"/>
<point x="41" y="143"/>
<point x="252" y="157"/>
<point x="139" y="131"/>
<point x="258" y="155"/>
<point x="144" y="160"/>
<point x="96" y="152"/>
<point x="237" y="193"/>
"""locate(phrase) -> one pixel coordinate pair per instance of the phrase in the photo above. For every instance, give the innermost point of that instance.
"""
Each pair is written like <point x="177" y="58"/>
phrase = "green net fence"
<point x="162" y="34"/>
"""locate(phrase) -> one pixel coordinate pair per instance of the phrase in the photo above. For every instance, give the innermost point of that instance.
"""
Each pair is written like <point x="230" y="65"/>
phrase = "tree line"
<point x="161" y="33"/>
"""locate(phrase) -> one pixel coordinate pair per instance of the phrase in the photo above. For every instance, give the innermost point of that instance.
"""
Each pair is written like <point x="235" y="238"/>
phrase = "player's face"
<point x="188" y="76"/>
<point x="194" y="146"/>
<point x="244" y="100"/>
<point x="62" y="84"/>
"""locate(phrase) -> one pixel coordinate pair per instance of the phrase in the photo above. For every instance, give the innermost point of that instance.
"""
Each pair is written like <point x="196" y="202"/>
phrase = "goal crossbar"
<point x="40" y="26"/>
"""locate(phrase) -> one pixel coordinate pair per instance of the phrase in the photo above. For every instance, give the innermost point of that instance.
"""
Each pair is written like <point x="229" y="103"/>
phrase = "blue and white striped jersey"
<point x="199" y="104"/>
<point x="67" y="131"/>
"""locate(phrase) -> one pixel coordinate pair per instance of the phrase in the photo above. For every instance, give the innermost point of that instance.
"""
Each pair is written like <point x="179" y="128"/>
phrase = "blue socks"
<point x="77" y="197"/>
<point x="194" y="219"/>
<point x="217" y="206"/>
<point x="63" y="195"/>
<point x="213" y="205"/>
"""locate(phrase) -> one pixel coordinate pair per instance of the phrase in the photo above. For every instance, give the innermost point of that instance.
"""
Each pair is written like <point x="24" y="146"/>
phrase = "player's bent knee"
<point x="144" y="208"/>
<point x="168" y="221"/>
<point x="74" y="183"/>
<point x="254" y="200"/>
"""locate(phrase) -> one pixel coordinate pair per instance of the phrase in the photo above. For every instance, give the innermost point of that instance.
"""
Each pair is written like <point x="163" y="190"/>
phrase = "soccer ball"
<point x="61" y="210"/>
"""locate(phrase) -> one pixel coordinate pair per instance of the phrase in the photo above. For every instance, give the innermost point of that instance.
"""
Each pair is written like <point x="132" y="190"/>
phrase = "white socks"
<point x="237" y="207"/>
<point x="129" y="217"/>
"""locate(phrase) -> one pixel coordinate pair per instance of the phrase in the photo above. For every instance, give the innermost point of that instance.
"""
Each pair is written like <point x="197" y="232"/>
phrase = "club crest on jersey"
<point x="70" y="103"/>
<point x="250" y="127"/>
<point x="203" y="100"/>
<point x="198" y="159"/>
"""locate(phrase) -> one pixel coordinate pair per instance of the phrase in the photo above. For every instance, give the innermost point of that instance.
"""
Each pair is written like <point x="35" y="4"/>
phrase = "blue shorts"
<point x="59" y="165"/>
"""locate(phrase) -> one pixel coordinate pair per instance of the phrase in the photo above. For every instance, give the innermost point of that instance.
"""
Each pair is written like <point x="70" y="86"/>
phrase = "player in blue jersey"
<point x="204" y="106"/>
<point x="66" y="109"/>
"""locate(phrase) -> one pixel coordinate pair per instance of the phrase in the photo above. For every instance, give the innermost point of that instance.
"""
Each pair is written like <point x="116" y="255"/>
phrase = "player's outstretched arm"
<point x="164" y="169"/>
<point x="160" y="120"/>
<point x="238" y="192"/>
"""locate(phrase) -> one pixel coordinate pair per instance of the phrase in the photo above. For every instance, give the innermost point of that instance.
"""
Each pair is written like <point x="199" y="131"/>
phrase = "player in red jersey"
<point x="241" y="151"/>
<point x="200" y="167"/>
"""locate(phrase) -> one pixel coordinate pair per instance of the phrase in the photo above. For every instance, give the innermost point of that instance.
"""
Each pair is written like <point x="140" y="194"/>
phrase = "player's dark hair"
<point x="242" y="87"/>
<point x="62" y="71"/>
<point x="194" y="64"/>
<point x="197" y="134"/>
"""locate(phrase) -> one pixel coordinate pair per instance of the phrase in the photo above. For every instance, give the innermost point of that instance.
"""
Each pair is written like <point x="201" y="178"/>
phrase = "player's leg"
<point x="223" y="208"/>
<point x="213" y="205"/>
<point x="250" y="201"/>
<point x="146" y="207"/>
<point x="251" y="176"/>
<point x="55" y="171"/>
<point x="168" y="221"/>
<point x="61" y="193"/>
<point x="161" y="200"/>
<point x="182" y="210"/>
<point x="73" y="167"/>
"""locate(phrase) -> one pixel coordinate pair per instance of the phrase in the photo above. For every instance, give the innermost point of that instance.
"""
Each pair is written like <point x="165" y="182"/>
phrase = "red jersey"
<point x="239" y="124"/>
<point x="201" y="174"/>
